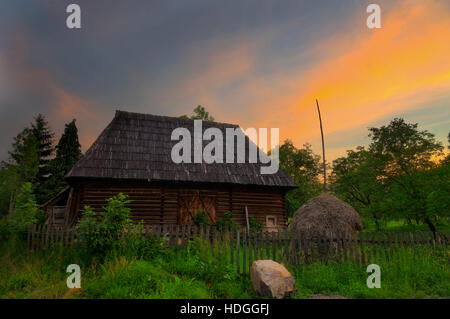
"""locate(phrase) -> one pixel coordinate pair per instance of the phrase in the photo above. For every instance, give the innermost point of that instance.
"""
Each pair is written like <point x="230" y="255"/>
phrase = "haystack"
<point x="324" y="215"/>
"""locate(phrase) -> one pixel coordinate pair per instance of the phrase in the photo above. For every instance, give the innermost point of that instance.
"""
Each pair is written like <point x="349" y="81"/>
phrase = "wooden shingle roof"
<point x="138" y="147"/>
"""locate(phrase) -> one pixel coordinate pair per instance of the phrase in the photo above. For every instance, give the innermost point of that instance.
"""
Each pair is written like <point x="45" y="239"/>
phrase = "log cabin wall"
<point x="160" y="204"/>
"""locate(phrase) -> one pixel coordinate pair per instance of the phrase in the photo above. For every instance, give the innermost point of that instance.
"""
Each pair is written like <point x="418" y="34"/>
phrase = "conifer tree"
<point x="44" y="136"/>
<point x="68" y="152"/>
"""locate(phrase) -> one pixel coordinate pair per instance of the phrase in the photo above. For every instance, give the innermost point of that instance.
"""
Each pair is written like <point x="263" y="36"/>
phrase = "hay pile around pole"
<point x="325" y="215"/>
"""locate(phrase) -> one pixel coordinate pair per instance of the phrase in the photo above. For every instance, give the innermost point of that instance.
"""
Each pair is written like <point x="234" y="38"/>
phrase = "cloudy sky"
<point x="255" y="63"/>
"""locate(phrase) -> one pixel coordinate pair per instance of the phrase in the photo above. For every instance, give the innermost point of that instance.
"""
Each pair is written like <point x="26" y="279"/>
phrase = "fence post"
<point x="411" y="238"/>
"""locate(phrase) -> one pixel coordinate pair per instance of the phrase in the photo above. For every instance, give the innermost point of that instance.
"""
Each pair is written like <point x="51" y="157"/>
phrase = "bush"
<point x="4" y="229"/>
<point x="99" y="237"/>
<point x="200" y="219"/>
<point x="111" y="233"/>
<point x="226" y="221"/>
<point x="255" y="225"/>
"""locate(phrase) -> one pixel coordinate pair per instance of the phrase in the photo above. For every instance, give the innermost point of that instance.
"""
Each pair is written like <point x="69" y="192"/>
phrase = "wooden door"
<point x="190" y="204"/>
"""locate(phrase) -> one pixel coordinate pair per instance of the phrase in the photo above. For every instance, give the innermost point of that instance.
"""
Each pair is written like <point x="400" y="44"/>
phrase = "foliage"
<point x="44" y="136"/>
<point x="226" y="221"/>
<point x="100" y="232"/>
<point x="200" y="219"/>
<point x="254" y="224"/>
<point x="4" y="229"/>
<point x="303" y="166"/>
<point x="22" y="167"/>
<point x="200" y="113"/>
<point x="28" y="161"/>
<point x="68" y="152"/>
<point x="394" y="178"/>
<point x="25" y="211"/>
<point x="355" y="179"/>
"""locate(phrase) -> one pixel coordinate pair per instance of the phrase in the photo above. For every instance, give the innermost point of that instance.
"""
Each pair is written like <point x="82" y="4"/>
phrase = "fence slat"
<point x="250" y="250"/>
<point x="255" y="242"/>
<point x="272" y="237"/>
<point x="238" y="244"/>
<point x="444" y="239"/>
<point x="244" y="251"/>
<point x="411" y="238"/>
<point x="261" y="244"/>
<point x="362" y="247"/>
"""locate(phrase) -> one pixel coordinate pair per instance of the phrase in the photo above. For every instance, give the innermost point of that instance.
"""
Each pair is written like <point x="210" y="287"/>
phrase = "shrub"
<point x="4" y="229"/>
<point x="255" y="225"/>
<point x="226" y="221"/>
<point x="99" y="237"/>
<point x="112" y="234"/>
<point x="200" y="219"/>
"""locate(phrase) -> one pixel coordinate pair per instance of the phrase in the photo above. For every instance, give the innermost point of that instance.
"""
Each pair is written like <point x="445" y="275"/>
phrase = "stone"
<point x="271" y="279"/>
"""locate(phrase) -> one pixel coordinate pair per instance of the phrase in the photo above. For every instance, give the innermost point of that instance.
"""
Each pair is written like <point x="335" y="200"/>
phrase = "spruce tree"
<point x="44" y="135"/>
<point x="68" y="152"/>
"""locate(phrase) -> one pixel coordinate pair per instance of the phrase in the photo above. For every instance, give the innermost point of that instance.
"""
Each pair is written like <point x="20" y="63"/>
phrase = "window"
<point x="271" y="221"/>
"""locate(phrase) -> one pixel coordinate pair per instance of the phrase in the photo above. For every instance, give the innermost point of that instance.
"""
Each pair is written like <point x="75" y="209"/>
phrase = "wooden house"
<point x="133" y="156"/>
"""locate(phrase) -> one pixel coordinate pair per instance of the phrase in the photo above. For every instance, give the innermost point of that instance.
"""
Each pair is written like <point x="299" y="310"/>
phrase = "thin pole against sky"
<point x="323" y="152"/>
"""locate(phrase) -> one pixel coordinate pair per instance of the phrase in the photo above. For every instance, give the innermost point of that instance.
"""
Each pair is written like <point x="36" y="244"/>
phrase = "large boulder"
<point x="271" y="279"/>
<point x="324" y="215"/>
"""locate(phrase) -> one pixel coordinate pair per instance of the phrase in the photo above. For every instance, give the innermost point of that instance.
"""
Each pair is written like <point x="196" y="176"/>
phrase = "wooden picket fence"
<point x="43" y="237"/>
<point x="285" y="246"/>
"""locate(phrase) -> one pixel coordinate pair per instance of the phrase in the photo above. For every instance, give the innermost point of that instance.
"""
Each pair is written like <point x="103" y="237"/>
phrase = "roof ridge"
<point x="120" y="112"/>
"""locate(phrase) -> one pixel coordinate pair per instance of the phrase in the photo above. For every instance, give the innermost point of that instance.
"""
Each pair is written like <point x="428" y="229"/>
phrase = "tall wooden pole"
<point x="323" y="151"/>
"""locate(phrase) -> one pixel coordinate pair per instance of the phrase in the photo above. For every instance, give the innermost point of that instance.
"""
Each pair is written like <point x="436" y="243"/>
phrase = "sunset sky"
<point x="254" y="63"/>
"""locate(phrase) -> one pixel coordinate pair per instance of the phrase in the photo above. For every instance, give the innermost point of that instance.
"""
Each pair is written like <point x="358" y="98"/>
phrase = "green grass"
<point x="403" y="226"/>
<point x="187" y="274"/>
<point x="407" y="277"/>
<point x="203" y="271"/>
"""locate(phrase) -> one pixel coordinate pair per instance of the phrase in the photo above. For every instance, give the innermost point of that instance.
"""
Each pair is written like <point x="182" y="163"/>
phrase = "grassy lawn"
<point x="403" y="226"/>
<point x="205" y="272"/>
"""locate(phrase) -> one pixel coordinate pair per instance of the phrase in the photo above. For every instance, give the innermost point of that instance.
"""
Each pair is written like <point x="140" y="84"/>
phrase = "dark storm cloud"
<point x="125" y="53"/>
<point x="249" y="62"/>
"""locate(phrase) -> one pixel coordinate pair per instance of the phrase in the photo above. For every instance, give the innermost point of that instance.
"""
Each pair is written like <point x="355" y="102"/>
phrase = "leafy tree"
<point x="354" y="179"/>
<point x="25" y="210"/>
<point x="400" y="151"/>
<point x="23" y="166"/>
<point x="303" y="166"/>
<point x="447" y="158"/>
<point x="24" y="157"/>
<point x="392" y="178"/>
<point x="200" y="113"/>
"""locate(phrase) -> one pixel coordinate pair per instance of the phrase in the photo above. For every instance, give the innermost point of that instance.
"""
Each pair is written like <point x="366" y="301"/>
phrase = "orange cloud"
<point x="364" y="74"/>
